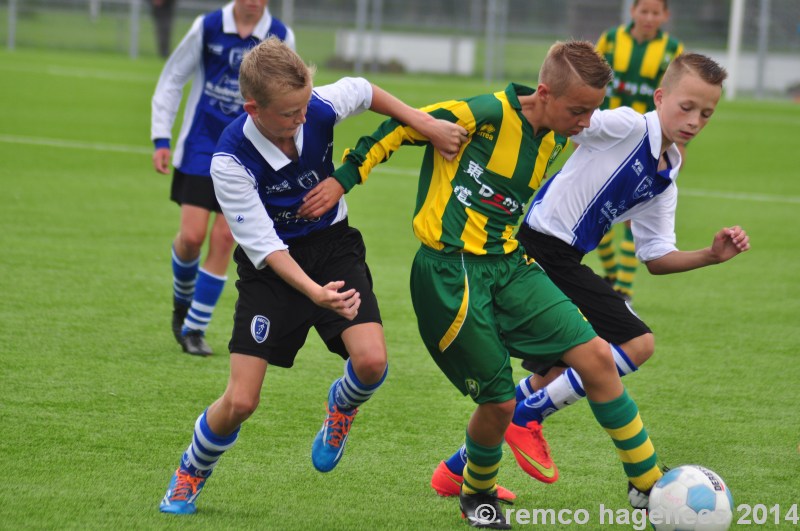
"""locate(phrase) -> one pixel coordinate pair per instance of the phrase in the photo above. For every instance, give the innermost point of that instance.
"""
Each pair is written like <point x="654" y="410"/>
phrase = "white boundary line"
<point x="73" y="144"/>
<point x="120" y="148"/>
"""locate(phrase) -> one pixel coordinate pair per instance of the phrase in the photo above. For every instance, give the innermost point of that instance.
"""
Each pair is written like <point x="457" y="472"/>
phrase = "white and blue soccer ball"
<point x="690" y="498"/>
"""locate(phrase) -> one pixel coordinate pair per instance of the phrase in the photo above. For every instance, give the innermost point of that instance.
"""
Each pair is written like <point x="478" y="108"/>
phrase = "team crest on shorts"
<point x="472" y="387"/>
<point x="259" y="328"/>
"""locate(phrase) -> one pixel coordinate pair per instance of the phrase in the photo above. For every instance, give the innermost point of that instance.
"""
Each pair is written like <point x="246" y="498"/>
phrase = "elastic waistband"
<point x="466" y="257"/>
<point x="527" y="233"/>
<point x="317" y="235"/>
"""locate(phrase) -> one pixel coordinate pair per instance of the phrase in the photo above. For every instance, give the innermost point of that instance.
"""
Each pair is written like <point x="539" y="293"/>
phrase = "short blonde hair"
<point x="704" y="67"/>
<point x="574" y="61"/>
<point x="272" y="68"/>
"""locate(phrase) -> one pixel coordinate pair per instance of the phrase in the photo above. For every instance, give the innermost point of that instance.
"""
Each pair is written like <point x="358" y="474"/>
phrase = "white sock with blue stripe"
<point x="207" y="292"/>
<point x="349" y="392"/>
<point x="184" y="277"/>
<point x="563" y="391"/>
<point x="206" y="448"/>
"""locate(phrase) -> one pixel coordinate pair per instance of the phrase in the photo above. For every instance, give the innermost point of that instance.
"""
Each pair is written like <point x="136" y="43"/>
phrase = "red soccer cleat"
<point x="445" y="483"/>
<point x="532" y="451"/>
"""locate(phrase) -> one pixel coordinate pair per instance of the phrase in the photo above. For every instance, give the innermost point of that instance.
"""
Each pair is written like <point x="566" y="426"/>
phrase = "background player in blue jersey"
<point x="625" y="169"/>
<point x="265" y="164"/>
<point x="209" y="55"/>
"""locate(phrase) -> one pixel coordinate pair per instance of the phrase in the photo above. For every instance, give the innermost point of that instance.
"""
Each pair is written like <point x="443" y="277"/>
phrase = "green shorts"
<point x="474" y="312"/>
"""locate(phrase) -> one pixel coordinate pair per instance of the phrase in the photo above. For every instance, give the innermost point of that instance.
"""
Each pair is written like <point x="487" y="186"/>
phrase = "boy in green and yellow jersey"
<point x="639" y="54"/>
<point x="478" y="300"/>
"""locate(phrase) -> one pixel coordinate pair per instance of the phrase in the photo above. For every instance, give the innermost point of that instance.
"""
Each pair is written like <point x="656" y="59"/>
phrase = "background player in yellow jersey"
<point x="639" y="54"/>
<point x="477" y="298"/>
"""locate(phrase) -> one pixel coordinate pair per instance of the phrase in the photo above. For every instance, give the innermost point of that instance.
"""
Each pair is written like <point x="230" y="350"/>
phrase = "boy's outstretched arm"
<point x="728" y="242"/>
<point x="446" y="137"/>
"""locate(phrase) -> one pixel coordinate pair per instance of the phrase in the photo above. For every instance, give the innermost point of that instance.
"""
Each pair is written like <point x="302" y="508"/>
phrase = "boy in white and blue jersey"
<point x="209" y="55"/>
<point x="266" y="163"/>
<point x="625" y="168"/>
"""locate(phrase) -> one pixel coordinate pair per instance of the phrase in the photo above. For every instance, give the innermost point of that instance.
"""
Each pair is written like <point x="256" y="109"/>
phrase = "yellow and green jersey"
<point x="638" y="67"/>
<point x="471" y="204"/>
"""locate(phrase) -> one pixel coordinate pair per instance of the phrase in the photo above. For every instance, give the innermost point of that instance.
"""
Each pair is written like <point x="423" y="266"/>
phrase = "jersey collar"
<point x="229" y="24"/>
<point x="274" y="156"/>
<point x="513" y="91"/>
<point x="654" y="132"/>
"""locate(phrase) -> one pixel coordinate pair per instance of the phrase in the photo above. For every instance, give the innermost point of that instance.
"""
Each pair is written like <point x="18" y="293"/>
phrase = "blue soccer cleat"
<point x="329" y="442"/>
<point x="183" y="490"/>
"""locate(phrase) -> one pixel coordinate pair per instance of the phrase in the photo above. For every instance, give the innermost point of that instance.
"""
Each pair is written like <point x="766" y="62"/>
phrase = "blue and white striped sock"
<point x="457" y="461"/>
<point x="209" y="288"/>
<point x="206" y="448"/>
<point x="563" y="391"/>
<point x="524" y="389"/>
<point x="349" y="392"/>
<point x="184" y="277"/>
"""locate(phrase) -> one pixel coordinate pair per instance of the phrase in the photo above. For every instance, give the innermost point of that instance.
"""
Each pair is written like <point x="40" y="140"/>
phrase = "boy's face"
<point x="685" y="108"/>
<point x="250" y="8"/>
<point x="281" y="119"/>
<point x="571" y="113"/>
<point x="648" y="16"/>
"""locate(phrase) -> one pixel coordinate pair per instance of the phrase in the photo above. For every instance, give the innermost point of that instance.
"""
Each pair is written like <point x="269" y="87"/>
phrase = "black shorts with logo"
<point x="609" y="314"/>
<point x="195" y="190"/>
<point x="272" y="319"/>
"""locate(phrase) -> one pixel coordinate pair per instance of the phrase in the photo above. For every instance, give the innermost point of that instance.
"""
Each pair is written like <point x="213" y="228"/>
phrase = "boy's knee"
<point x="242" y="406"/>
<point x="192" y="239"/>
<point x="370" y="367"/>
<point x="640" y="349"/>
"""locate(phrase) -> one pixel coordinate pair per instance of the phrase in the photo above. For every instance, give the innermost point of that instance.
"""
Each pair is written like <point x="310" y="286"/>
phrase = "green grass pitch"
<point x="97" y="401"/>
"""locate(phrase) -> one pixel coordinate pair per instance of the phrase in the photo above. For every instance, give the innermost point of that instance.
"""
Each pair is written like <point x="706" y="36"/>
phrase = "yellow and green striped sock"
<point x="605" y="251"/>
<point x="626" y="269"/>
<point x="620" y="418"/>
<point x="483" y="462"/>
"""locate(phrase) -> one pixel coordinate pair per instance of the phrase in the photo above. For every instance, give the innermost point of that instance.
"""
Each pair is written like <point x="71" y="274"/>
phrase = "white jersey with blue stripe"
<point x="210" y="55"/>
<point x="260" y="189"/>
<point x="610" y="178"/>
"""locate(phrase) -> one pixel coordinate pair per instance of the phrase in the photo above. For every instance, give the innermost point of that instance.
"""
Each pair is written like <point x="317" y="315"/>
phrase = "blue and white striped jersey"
<point x="610" y="178"/>
<point x="260" y="189"/>
<point x="210" y="54"/>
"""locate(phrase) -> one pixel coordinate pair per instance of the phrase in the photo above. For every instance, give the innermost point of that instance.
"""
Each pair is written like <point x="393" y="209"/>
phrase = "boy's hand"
<point x="161" y="158"/>
<point x="320" y="199"/>
<point x="446" y="137"/>
<point x="345" y="303"/>
<point x="729" y="242"/>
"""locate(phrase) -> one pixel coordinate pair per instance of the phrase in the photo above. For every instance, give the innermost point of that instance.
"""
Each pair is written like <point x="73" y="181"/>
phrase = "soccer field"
<point x="98" y="401"/>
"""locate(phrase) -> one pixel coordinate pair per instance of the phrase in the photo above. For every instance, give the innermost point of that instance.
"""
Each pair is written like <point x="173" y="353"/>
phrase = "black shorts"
<point x="196" y="190"/>
<point x="272" y="319"/>
<point x="609" y="314"/>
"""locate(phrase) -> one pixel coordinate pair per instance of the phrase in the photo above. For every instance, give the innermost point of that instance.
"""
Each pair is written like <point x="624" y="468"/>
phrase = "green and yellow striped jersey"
<point x="473" y="203"/>
<point x="638" y="68"/>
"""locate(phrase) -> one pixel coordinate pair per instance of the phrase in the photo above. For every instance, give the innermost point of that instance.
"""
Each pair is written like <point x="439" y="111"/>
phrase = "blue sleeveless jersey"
<point x="281" y="191"/>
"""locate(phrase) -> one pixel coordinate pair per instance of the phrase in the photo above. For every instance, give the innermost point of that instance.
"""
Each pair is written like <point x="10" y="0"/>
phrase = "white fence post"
<point x="12" y="24"/>
<point x="734" y="44"/>
<point x="136" y="8"/>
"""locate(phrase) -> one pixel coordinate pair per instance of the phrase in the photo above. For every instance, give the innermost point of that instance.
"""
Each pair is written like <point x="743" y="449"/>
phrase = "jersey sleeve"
<point x="654" y="229"/>
<point x="608" y="128"/>
<point x="376" y="148"/>
<point x="252" y="228"/>
<point x="179" y="68"/>
<point x="290" y="39"/>
<point x="348" y="97"/>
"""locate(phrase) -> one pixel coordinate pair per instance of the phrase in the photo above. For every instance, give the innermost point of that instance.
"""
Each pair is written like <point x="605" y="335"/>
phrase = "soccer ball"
<point x="690" y="498"/>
